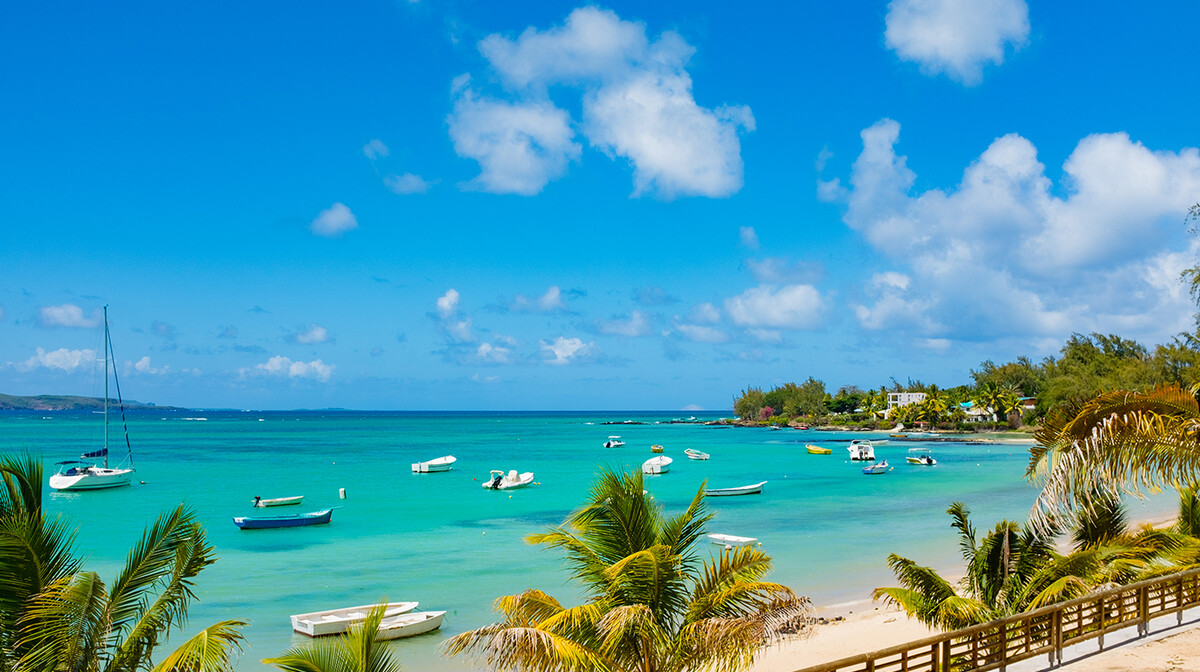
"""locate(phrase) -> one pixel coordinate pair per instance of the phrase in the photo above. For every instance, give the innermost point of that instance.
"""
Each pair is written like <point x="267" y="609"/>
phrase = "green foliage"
<point x="749" y="403"/>
<point x="55" y="616"/>
<point x="651" y="602"/>
<point x="354" y="651"/>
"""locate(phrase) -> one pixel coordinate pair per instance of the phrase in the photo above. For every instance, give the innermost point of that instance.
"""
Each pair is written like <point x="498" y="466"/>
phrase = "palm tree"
<point x="1013" y="568"/>
<point x="1115" y="442"/>
<point x="57" y="617"/>
<point x="355" y="651"/>
<point x="651" y="604"/>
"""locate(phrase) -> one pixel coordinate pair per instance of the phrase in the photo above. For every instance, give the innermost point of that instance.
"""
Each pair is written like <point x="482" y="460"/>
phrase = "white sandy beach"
<point x="866" y="627"/>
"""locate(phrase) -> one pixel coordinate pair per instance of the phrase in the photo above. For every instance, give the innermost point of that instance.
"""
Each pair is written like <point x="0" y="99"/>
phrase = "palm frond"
<point x="22" y="475"/>
<point x="529" y="649"/>
<point x="65" y="626"/>
<point x="210" y="650"/>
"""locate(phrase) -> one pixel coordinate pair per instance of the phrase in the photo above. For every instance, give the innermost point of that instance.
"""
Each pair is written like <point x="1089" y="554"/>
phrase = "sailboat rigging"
<point x="80" y="475"/>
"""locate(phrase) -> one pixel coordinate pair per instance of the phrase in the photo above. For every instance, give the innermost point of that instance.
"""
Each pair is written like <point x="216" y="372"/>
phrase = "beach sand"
<point x="866" y="627"/>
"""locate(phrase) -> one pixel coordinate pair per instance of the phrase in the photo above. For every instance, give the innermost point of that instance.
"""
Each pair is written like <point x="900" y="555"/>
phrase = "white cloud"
<point x="637" y="104"/>
<point x="143" y="366"/>
<point x="280" y="366"/>
<point x="66" y="315"/>
<point x="701" y="333"/>
<point x="62" y="359"/>
<point x="705" y="312"/>
<point x="493" y="354"/>
<point x="334" y="222"/>
<point x="485" y="379"/>
<point x="637" y="324"/>
<point x="749" y="237"/>
<point x="455" y="329"/>
<point x="1007" y="253"/>
<point x="782" y="271"/>
<point x="520" y="146"/>
<point x="315" y="333"/>
<point x="549" y="302"/>
<point x="956" y="37"/>
<point x="447" y="304"/>
<point x="787" y="307"/>
<point x="375" y="149"/>
<point x="564" y="350"/>
<point x="407" y="184"/>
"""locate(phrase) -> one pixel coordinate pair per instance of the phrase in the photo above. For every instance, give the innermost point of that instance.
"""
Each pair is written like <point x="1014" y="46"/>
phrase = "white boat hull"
<point x="693" y="454"/>
<point x="337" y="621"/>
<point x="92" y="478"/>
<point x="433" y="466"/>
<point x="278" y="501"/>
<point x="510" y="481"/>
<point x="657" y="465"/>
<point x="408" y="625"/>
<point x="733" y="492"/>
<point x="731" y="540"/>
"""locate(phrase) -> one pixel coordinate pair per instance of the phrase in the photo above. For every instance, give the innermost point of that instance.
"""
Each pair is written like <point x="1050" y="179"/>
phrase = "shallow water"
<point x="445" y="541"/>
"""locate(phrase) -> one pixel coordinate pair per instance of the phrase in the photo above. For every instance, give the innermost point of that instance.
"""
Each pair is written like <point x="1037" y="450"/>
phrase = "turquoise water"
<point x="445" y="541"/>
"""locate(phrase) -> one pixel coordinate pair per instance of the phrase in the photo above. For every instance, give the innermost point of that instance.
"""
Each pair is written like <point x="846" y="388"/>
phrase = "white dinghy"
<point x="693" y="454"/>
<point x="730" y="540"/>
<point x="337" y="621"/>
<point x="440" y="464"/>
<point x="407" y="625"/>
<point x="733" y="492"/>
<point x="498" y="480"/>
<point x="659" y="464"/>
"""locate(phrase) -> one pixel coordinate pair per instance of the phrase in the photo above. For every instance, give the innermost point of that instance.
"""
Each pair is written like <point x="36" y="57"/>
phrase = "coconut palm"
<point x="1012" y="568"/>
<point x="651" y="603"/>
<point x="355" y="651"/>
<point x="1115" y="442"/>
<point x="58" y="617"/>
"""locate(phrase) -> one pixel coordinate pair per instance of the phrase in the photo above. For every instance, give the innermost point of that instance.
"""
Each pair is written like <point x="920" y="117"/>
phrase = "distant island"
<point x="62" y="402"/>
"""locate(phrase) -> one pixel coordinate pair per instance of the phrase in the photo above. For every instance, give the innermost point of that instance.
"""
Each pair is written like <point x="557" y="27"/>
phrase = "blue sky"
<point x="462" y="205"/>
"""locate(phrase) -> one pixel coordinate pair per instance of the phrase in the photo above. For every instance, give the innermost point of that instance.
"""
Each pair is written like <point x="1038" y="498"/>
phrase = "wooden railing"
<point x="993" y="646"/>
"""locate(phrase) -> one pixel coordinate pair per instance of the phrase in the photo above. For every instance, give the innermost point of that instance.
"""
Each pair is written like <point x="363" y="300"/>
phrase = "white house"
<point x="898" y="399"/>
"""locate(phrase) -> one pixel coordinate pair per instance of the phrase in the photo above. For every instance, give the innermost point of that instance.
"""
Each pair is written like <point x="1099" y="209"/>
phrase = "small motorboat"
<point x="877" y="468"/>
<point x="614" y="442"/>
<point x="278" y="501"/>
<point x="693" y="454"/>
<point x="861" y="452"/>
<point x="729" y="540"/>
<point x="817" y="450"/>
<point x="337" y="621"/>
<point x="656" y="448"/>
<point x="921" y="456"/>
<point x="898" y="436"/>
<point x="321" y="517"/>
<point x="440" y="464"/>
<point x="498" y="480"/>
<point x="657" y="465"/>
<point x="732" y="492"/>
<point x="407" y="625"/>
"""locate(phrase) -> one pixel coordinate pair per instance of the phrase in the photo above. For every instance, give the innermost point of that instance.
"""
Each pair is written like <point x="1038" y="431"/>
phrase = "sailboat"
<point x="80" y="475"/>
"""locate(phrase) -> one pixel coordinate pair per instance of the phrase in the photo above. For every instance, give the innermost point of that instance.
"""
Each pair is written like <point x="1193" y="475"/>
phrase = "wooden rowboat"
<point x="817" y="450"/>
<point x="321" y="517"/>
<point x="728" y="540"/>
<point x="733" y="492"/>
<point x="407" y="625"/>
<point x="337" y="621"/>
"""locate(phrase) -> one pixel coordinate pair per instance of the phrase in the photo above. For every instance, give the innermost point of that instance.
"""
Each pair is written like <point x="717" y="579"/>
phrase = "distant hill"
<point x="62" y="402"/>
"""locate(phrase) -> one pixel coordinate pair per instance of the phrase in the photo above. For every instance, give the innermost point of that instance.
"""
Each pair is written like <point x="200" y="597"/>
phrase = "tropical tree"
<point x="54" y="616"/>
<point x="651" y="604"/>
<point x="354" y="651"/>
<point x="1015" y="568"/>
<point x="749" y="403"/>
<point x="1115" y="442"/>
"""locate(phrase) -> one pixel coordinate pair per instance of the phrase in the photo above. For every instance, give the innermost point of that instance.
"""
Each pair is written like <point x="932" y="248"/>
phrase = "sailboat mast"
<point x="106" y="387"/>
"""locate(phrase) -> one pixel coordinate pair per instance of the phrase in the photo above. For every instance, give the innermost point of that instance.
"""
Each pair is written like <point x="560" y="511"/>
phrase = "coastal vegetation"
<point x="55" y="615"/>
<point x="652" y="604"/>
<point x="62" y="402"/>
<point x="354" y="651"/>
<point x="1000" y="396"/>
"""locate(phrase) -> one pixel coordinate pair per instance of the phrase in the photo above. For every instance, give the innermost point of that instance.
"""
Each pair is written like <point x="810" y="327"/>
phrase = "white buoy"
<point x="341" y="493"/>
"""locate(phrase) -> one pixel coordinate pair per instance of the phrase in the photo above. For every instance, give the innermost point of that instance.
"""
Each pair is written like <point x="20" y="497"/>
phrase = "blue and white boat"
<point x="321" y="517"/>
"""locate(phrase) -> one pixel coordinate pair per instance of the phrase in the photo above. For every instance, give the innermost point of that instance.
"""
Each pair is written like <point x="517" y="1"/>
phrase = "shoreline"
<point x="845" y="629"/>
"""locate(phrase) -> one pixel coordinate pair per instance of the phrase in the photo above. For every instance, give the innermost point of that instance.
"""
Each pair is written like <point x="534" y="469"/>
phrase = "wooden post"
<point x="1100" y="608"/>
<point x="946" y="656"/>
<point x="1144" y="616"/>
<point x="1003" y="646"/>
<point x="1055" y="636"/>
<point x="871" y="665"/>
<point x="1179" y="603"/>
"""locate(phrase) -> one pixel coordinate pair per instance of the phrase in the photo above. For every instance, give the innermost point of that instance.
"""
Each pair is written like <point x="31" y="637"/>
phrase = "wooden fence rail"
<point x="1046" y="631"/>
